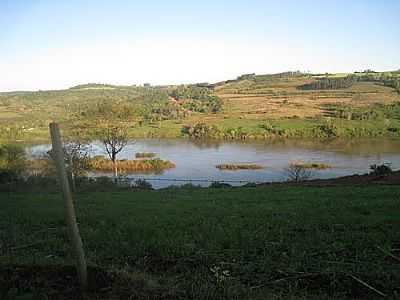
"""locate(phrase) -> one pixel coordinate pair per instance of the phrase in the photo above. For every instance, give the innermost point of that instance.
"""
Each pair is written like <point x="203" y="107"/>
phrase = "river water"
<point x="196" y="161"/>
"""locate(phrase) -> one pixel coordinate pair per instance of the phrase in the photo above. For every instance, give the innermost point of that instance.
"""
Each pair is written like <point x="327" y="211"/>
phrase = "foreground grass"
<point x="244" y="243"/>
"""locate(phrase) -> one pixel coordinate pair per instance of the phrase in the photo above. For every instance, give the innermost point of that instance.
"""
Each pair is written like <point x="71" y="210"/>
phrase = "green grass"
<point x="279" y="242"/>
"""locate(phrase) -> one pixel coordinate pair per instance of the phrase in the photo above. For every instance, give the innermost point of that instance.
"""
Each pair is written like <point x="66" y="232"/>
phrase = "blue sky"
<point x="57" y="44"/>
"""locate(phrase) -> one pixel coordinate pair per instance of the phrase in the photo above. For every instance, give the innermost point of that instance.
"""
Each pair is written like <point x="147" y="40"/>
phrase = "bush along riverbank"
<point x="220" y="128"/>
<point x="317" y="129"/>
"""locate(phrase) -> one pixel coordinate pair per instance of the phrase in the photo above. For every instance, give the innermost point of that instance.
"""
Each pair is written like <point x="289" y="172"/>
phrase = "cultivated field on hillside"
<point x="285" y="105"/>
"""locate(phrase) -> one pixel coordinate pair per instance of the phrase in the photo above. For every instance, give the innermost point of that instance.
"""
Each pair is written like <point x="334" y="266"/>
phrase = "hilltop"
<point x="290" y="104"/>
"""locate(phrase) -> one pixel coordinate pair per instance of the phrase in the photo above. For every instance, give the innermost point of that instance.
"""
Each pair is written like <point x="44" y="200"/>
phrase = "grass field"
<point x="274" y="242"/>
<point x="280" y="98"/>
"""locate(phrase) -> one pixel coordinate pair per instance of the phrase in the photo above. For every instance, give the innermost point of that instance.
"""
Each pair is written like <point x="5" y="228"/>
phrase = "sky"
<point x="47" y="44"/>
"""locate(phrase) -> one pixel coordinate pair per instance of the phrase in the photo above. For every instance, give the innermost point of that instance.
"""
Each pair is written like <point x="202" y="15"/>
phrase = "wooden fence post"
<point x="69" y="212"/>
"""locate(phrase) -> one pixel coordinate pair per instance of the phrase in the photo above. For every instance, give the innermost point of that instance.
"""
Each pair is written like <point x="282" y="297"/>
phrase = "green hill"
<point x="290" y="104"/>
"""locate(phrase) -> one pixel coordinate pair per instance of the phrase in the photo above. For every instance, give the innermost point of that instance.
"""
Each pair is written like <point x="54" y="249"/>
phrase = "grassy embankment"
<point x="279" y="242"/>
<point x="262" y="106"/>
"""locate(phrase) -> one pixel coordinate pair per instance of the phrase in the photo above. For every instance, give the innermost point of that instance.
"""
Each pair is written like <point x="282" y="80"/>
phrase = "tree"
<point x="76" y="153"/>
<point x="297" y="173"/>
<point x="114" y="138"/>
<point x="77" y="160"/>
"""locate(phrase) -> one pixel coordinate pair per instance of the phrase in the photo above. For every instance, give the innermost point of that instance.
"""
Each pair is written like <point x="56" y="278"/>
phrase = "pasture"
<point x="271" y="242"/>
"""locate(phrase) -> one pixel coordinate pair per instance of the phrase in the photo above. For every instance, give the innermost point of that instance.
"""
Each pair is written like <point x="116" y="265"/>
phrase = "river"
<point x="196" y="160"/>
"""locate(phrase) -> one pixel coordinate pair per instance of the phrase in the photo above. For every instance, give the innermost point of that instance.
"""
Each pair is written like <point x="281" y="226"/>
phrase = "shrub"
<point x="143" y="184"/>
<point x="8" y="176"/>
<point x="218" y="185"/>
<point x="326" y="130"/>
<point x="105" y="181"/>
<point x="201" y="131"/>
<point x="236" y="133"/>
<point x="298" y="173"/>
<point x="271" y="129"/>
<point x="383" y="169"/>
<point x="12" y="159"/>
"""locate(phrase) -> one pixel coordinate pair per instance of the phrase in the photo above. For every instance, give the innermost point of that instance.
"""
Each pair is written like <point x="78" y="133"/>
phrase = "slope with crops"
<point x="288" y="105"/>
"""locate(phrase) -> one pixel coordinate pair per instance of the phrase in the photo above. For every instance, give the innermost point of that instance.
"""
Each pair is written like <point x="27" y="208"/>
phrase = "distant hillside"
<point x="284" y="95"/>
<point x="93" y="86"/>
<point x="289" y="104"/>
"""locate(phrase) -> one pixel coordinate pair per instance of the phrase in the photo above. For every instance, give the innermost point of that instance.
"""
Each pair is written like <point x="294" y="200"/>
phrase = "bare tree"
<point x="297" y="173"/>
<point x="77" y="160"/>
<point x="114" y="138"/>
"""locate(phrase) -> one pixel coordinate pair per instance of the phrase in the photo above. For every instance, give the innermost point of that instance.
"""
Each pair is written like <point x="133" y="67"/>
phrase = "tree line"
<point x="329" y="83"/>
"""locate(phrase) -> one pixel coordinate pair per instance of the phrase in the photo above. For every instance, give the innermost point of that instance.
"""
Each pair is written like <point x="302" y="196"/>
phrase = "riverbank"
<point x="392" y="178"/>
<point x="276" y="242"/>
<point x="224" y="128"/>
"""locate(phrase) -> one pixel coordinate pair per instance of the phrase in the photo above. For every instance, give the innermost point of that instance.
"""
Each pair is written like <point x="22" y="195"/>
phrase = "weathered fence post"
<point x="69" y="212"/>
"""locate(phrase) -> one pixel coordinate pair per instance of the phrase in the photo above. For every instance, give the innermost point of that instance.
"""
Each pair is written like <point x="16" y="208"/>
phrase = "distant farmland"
<point x="285" y="105"/>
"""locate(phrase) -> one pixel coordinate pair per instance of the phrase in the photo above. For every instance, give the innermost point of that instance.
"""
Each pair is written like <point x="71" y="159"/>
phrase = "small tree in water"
<point x="114" y="138"/>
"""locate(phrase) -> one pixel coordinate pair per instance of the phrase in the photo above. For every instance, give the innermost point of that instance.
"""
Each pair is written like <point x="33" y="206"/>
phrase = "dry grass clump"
<point x="144" y="165"/>
<point x="235" y="167"/>
<point x="312" y="165"/>
<point x="145" y="155"/>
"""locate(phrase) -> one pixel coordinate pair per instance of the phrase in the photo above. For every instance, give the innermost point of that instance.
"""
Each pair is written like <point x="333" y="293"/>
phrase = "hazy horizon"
<point x="46" y="45"/>
<point x="176" y="83"/>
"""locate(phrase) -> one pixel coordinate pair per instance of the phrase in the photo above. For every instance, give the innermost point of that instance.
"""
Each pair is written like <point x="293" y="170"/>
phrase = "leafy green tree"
<point x="114" y="138"/>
